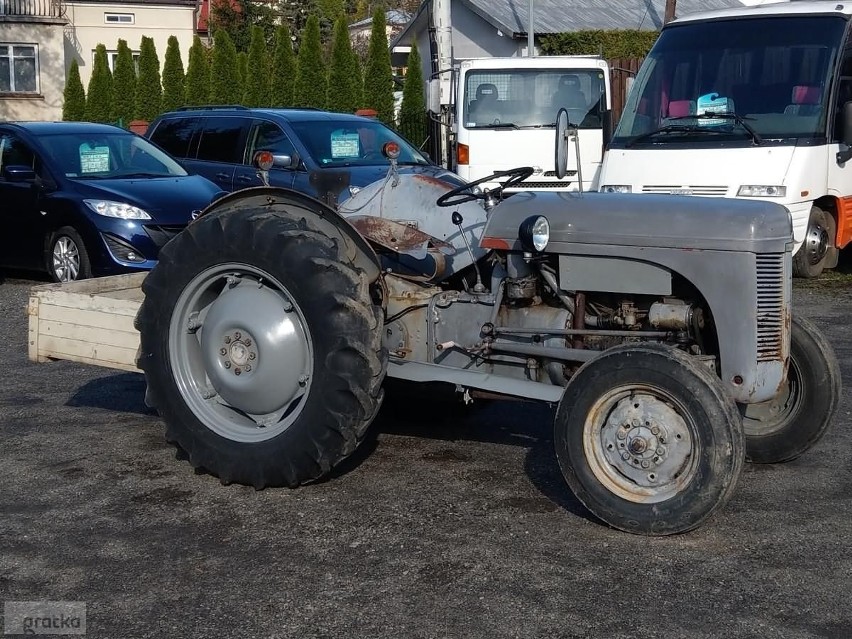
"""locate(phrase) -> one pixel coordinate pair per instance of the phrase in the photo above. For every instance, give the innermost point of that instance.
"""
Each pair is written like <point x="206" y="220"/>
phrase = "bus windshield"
<point x="531" y="98"/>
<point x="743" y="81"/>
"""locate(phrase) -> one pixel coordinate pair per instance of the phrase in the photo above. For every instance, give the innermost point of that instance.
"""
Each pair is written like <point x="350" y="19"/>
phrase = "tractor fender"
<point x="332" y="224"/>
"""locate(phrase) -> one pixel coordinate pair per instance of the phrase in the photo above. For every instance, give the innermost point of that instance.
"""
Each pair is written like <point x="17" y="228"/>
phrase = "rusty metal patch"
<point x="397" y="237"/>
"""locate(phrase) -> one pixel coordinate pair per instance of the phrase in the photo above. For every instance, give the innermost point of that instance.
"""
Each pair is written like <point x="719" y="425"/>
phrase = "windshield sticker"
<point x="345" y="145"/>
<point x="711" y="103"/>
<point x="94" y="159"/>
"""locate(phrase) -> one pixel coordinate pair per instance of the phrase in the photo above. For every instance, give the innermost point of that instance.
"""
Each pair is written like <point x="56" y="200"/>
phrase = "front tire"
<point x="787" y="426"/>
<point x="67" y="257"/>
<point x="261" y="346"/>
<point x="818" y="251"/>
<point x="648" y="440"/>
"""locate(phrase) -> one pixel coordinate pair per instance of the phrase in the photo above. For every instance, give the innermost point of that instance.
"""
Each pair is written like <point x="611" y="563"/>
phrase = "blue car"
<point x="79" y="199"/>
<point x="323" y="154"/>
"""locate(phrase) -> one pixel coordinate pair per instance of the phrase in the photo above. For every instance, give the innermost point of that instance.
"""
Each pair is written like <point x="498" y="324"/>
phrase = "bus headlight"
<point x="616" y="188"/>
<point x="761" y="190"/>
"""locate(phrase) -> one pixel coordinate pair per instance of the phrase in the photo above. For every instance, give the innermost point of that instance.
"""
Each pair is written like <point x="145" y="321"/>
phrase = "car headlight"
<point x="121" y="210"/>
<point x="535" y="233"/>
<point x="616" y="188"/>
<point x="761" y="190"/>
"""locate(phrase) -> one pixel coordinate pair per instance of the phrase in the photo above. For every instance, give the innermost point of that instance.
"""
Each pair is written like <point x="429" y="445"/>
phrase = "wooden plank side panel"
<point x="96" y="286"/>
<point x="80" y="351"/>
<point x="89" y="302"/>
<point x="32" y="329"/>
<point x="93" y="335"/>
<point x="81" y="317"/>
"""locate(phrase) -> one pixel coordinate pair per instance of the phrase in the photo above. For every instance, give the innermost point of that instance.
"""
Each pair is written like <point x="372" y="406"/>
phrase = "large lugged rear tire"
<point x="648" y="440"/>
<point x="261" y="346"/>
<point x="787" y="426"/>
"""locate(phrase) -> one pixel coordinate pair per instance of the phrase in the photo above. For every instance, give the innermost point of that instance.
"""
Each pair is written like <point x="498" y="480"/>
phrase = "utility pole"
<point x="671" y="9"/>
<point x="531" y="33"/>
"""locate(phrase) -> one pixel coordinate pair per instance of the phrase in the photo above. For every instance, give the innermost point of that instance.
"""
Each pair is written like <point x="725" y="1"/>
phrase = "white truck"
<point x="503" y="114"/>
<point x="751" y="103"/>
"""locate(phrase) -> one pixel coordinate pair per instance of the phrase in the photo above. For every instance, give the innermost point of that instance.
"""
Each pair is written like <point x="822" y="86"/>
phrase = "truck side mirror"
<point x="286" y="161"/>
<point x="434" y="97"/>
<point x="845" y="153"/>
<point x="19" y="173"/>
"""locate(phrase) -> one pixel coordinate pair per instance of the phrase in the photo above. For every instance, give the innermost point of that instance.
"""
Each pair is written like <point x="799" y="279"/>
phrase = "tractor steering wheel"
<point x="463" y="193"/>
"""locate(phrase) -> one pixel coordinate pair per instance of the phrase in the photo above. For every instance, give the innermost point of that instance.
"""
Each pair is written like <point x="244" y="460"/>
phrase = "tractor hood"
<point x="659" y="221"/>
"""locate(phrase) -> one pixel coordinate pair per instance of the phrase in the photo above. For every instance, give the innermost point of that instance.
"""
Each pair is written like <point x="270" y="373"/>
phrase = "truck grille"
<point x="770" y="306"/>
<point x="684" y="189"/>
<point x="544" y="185"/>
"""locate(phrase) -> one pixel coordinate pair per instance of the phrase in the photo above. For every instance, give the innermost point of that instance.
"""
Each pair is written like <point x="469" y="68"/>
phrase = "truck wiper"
<point x="755" y="136"/>
<point x="497" y="125"/>
<point x="671" y="128"/>
<point x="538" y="126"/>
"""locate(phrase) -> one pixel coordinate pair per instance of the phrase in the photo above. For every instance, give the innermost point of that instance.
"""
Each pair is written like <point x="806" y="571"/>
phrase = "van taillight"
<point x="462" y="154"/>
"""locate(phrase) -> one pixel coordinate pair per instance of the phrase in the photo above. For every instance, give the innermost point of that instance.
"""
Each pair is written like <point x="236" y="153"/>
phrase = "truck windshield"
<point x="764" y="79"/>
<point x="530" y="98"/>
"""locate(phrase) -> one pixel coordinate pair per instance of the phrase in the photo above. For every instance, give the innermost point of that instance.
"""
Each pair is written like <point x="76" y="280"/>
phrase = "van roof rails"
<point x="202" y="107"/>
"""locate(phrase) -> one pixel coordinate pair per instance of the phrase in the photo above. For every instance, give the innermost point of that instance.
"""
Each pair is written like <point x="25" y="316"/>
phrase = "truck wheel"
<point x="648" y="440"/>
<point x="788" y="425"/>
<point x="261" y="346"/>
<point x="818" y="249"/>
<point x="67" y="258"/>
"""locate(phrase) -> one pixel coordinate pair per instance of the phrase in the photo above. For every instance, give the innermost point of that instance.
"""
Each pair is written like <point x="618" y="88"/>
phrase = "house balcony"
<point x="28" y="10"/>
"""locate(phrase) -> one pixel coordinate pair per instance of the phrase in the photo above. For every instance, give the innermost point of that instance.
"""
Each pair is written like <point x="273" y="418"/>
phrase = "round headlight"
<point x="535" y="233"/>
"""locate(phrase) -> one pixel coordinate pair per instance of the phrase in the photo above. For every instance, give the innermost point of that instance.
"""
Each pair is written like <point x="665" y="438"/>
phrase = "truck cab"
<point x="505" y="116"/>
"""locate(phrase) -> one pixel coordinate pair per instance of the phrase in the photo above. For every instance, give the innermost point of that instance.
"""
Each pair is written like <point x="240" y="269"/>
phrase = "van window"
<point x="174" y="136"/>
<point x="223" y="139"/>
<point x="268" y="136"/>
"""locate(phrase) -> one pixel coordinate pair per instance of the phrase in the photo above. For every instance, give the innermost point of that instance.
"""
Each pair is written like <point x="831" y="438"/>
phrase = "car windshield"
<point x="107" y="156"/>
<point x="352" y="143"/>
<point x="763" y="79"/>
<point x="531" y="98"/>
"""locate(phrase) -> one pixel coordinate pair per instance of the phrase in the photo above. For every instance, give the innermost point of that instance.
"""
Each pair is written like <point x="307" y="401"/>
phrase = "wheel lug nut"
<point x="227" y="339"/>
<point x="625" y="456"/>
<point x="621" y="434"/>
<point x="247" y="342"/>
<point x="227" y="364"/>
<point x="237" y="335"/>
<point x="223" y="352"/>
<point x="252" y="355"/>
<point x="237" y="371"/>
<point x="646" y="464"/>
<point x="655" y="430"/>
<point x="661" y="451"/>
<point x="636" y="422"/>
<point x="248" y="367"/>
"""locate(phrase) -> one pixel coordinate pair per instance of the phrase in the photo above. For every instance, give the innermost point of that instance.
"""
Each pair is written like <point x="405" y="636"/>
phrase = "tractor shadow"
<point x="439" y="416"/>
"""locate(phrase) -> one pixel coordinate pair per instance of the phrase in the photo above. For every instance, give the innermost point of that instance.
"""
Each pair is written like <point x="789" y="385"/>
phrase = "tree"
<point x="225" y="76"/>
<point x="412" y="117"/>
<point x="345" y="87"/>
<point x="149" y="90"/>
<point x="311" y="79"/>
<point x="243" y="73"/>
<point x="197" y="75"/>
<point x="99" y="95"/>
<point x="174" y="89"/>
<point x="123" y="85"/>
<point x="74" y="103"/>
<point x="378" y="78"/>
<point x="283" y="69"/>
<point x="257" y="82"/>
<point x="239" y="17"/>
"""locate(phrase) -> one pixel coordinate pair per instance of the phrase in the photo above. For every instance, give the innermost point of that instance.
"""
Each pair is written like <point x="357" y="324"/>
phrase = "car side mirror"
<point x="19" y="173"/>
<point x="283" y="161"/>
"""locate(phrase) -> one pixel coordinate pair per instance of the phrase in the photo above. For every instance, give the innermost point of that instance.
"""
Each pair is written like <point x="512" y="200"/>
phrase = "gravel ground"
<point x="437" y="528"/>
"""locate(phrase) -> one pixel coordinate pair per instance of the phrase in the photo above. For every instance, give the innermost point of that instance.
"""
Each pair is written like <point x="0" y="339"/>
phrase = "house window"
<point x="18" y="68"/>
<point x="112" y="56"/>
<point x="119" y="18"/>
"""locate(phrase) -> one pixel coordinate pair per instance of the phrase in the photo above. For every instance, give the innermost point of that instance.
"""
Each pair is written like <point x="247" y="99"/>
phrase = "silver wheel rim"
<point x="816" y="243"/>
<point x="770" y="417"/>
<point x="641" y="444"/>
<point x="241" y="352"/>
<point x="66" y="259"/>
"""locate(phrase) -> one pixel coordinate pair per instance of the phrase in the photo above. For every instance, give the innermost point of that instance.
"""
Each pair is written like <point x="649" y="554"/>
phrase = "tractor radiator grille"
<point x="770" y="306"/>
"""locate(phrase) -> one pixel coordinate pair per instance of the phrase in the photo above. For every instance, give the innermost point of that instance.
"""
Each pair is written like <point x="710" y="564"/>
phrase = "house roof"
<point x="124" y="3"/>
<point x="558" y="16"/>
<point x="394" y="18"/>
